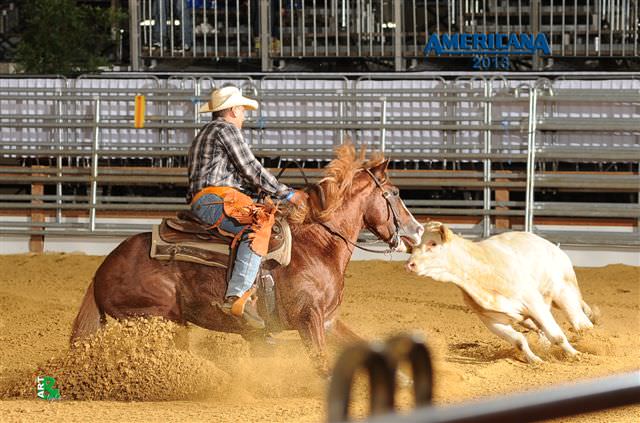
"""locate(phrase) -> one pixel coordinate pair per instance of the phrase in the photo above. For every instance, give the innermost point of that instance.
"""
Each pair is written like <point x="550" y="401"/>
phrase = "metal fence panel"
<point x="421" y="115"/>
<point x="374" y="29"/>
<point x="403" y="101"/>
<point x="416" y="121"/>
<point x="116" y="109"/>
<point x="607" y="109"/>
<point x="300" y="102"/>
<point x="23" y="98"/>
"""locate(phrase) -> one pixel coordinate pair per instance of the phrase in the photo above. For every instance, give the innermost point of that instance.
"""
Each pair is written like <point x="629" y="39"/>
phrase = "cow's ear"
<point x="445" y="233"/>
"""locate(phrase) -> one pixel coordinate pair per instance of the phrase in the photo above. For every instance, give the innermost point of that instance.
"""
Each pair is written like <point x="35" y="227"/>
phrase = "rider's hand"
<point x="298" y="198"/>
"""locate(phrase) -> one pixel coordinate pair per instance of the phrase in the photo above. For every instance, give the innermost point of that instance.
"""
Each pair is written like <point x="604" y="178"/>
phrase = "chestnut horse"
<point x="309" y="290"/>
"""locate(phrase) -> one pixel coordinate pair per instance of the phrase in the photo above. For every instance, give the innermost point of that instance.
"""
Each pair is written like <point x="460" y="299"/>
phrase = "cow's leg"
<point x="529" y="324"/>
<point x="570" y="303"/>
<point x="313" y="336"/>
<point x="499" y="324"/>
<point x="508" y="333"/>
<point x="543" y="318"/>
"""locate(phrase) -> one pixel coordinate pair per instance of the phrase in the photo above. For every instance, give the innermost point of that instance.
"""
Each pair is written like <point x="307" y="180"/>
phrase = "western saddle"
<point x="186" y="238"/>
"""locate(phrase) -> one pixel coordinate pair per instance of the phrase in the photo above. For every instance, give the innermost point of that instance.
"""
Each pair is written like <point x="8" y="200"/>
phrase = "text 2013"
<point x="491" y="62"/>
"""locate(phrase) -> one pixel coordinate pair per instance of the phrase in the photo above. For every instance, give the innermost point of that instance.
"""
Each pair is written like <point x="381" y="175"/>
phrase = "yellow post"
<point x="138" y="113"/>
<point x="36" y="242"/>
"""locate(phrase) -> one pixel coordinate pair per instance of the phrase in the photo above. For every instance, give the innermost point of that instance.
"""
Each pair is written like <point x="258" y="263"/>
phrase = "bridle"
<point x="395" y="238"/>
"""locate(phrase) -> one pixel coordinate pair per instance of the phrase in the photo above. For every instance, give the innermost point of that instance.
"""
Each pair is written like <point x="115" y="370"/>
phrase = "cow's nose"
<point x="411" y="266"/>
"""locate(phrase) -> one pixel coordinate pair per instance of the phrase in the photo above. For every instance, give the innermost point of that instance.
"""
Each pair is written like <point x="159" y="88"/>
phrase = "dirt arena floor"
<point x="133" y="372"/>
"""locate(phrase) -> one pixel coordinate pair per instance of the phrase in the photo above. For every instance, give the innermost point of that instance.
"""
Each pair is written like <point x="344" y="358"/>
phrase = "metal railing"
<point x="370" y="29"/>
<point x="492" y="139"/>
<point x="380" y="361"/>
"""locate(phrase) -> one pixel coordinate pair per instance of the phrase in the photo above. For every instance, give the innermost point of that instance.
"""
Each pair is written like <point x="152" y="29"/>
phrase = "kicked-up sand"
<point x="152" y="370"/>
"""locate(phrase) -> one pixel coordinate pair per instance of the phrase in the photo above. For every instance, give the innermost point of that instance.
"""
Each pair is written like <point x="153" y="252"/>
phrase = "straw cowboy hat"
<point x="225" y="98"/>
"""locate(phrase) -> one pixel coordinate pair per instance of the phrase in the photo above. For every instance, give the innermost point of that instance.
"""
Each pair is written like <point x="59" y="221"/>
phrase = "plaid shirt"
<point x="220" y="157"/>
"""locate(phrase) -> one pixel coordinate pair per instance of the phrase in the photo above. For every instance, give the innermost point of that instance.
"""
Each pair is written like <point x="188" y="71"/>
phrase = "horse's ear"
<point x="380" y="169"/>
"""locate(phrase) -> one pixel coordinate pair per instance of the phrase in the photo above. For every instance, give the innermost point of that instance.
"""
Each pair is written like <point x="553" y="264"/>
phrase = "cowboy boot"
<point x="240" y="289"/>
<point x="244" y="309"/>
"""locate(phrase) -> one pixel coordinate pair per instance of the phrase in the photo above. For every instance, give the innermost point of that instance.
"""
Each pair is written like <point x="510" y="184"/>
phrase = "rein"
<point x="349" y="242"/>
<point x="306" y="181"/>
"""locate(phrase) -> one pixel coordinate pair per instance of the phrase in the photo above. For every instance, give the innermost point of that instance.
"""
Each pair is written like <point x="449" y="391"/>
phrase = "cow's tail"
<point x="89" y="318"/>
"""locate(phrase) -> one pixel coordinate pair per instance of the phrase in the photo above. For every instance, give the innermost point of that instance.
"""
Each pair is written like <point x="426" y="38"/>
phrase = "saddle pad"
<point x="206" y="253"/>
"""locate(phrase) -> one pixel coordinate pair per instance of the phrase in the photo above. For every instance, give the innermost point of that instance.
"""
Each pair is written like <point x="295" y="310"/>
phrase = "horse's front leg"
<point x="312" y="332"/>
<point x="339" y="331"/>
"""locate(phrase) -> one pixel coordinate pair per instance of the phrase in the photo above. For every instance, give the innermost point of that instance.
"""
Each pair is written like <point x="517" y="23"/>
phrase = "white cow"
<point x="507" y="278"/>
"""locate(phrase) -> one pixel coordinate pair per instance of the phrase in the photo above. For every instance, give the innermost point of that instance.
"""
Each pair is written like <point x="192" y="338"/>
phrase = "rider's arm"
<point x="249" y="167"/>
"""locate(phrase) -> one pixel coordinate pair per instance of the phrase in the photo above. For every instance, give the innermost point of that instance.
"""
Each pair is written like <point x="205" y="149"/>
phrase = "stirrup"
<point x="239" y="310"/>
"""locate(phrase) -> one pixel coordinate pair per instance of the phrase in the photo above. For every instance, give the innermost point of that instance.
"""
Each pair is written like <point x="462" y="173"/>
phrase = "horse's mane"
<point x="336" y="183"/>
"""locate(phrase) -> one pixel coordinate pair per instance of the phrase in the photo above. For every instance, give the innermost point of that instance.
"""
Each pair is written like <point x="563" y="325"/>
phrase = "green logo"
<point x="45" y="387"/>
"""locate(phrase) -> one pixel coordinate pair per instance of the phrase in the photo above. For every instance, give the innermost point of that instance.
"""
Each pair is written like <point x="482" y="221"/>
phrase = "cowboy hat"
<point x="225" y="98"/>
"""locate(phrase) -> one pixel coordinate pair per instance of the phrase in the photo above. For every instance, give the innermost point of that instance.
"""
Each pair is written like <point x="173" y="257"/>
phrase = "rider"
<point x="223" y="176"/>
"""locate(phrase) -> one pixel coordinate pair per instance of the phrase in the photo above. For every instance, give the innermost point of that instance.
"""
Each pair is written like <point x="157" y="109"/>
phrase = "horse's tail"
<point x="89" y="318"/>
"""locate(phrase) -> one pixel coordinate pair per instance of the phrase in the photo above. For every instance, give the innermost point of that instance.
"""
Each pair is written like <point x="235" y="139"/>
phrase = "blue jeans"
<point x="247" y="262"/>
